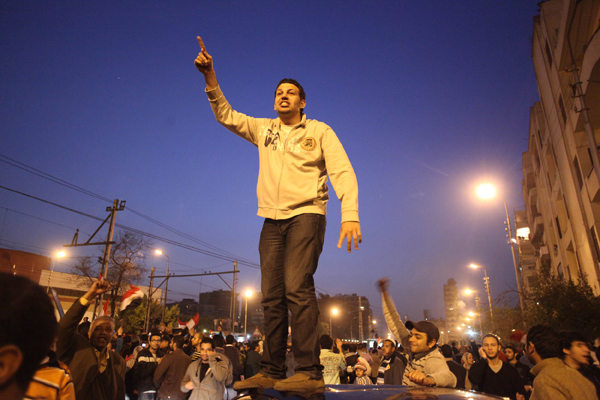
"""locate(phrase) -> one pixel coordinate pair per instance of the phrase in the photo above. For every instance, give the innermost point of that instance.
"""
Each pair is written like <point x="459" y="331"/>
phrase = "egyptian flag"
<point x="104" y="310"/>
<point x="191" y="323"/>
<point x="132" y="298"/>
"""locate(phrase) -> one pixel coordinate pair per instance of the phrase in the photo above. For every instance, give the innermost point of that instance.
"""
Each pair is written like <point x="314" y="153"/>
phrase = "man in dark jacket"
<point x="252" y="361"/>
<point x="145" y="364"/>
<point x="494" y="376"/>
<point x="455" y="367"/>
<point x="98" y="374"/>
<point x="391" y="369"/>
<point x="170" y="372"/>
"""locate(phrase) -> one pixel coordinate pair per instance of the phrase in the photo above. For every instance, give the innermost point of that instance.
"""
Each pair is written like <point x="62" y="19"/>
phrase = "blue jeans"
<point x="289" y="255"/>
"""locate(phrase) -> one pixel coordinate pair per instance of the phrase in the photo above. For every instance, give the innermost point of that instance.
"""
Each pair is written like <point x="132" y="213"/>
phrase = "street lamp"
<point x="487" y="191"/>
<point x="159" y="252"/>
<point x="478" y="304"/>
<point x="487" y="287"/>
<point x="334" y="311"/>
<point x="60" y="254"/>
<point x="248" y="294"/>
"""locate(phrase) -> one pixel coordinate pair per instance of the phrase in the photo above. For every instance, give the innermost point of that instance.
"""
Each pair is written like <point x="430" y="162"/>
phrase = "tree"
<point x="564" y="304"/>
<point x="126" y="264"/>
<point x="134" y="320"/>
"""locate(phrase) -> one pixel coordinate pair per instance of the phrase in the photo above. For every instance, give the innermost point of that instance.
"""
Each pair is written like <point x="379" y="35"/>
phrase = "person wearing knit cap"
<point x="426" y="366"/>
<point x="392" y="365"/>
<point x="360" y="369"/>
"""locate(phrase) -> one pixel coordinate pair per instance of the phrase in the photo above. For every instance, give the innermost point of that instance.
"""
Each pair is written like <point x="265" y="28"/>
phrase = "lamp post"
<point x="478" y="304"/>
<point x="487" y="288"/>
<point x="60" y="254"/>
<point x="166" y="284"/>
<point x="334" y="311"/>
<point x="488" y="191"/>
<point x="472" y="314"/>
<point x="248" y="295"/>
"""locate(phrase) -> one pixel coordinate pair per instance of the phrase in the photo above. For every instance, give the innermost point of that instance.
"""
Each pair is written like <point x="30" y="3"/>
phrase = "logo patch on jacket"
<point x="309" y="143"/>
<point x="271" y="138"/>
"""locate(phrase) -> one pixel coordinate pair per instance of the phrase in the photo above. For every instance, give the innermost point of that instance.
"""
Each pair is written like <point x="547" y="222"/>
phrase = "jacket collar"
<point x="423" y="354"/>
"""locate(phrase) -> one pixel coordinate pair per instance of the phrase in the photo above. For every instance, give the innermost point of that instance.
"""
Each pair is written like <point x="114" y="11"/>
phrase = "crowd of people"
<point x="92" y="360"/>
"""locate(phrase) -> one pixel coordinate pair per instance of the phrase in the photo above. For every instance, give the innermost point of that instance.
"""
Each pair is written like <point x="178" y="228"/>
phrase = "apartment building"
<point x="561" y="188"/>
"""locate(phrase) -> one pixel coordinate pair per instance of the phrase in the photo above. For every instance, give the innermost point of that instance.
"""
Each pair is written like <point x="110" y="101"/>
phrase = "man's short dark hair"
<point x="27" y="321"/>
<point x="218" y="341"/>
<point x="447" y="351"/>
<point x="178" y="341"/>
<point x="492" y="336"/>
<point x="229" y="339"/>
<point x="362" y="346"/>
<point x="566" y="339"/>
<point x="144" y="337"/>
<point x="352" y="348"/>
<point x="295" y="83"/>
<point x="545" y="340"/>
<point x="345" y="347"/>
<point x="253" y="345"/>
<point x="165" y="338"/>
<point x="513" y="348"/>
<point x="83" y="328"/>
<point x="211" y="341"/>
<point x="326" y="342"/>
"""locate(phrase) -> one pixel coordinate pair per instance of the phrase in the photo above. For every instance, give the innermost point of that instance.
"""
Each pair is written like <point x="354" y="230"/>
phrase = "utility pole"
<point x="360" y="324"/>
<point x="233" y="296"/>
<point x="107" y="244"/>
<point x="147" y="323"/>
<point x="105" y="258"/>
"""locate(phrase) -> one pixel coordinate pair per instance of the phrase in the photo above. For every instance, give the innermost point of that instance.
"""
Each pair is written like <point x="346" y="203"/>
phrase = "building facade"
<point x="561" y="187"/>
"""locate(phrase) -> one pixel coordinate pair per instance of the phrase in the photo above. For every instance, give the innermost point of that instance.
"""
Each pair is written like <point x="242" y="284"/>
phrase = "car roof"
<point x="375" y="392"/>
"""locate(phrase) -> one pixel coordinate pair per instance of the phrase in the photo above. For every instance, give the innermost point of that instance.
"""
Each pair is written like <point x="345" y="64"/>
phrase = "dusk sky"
<point x="429" y="98"/>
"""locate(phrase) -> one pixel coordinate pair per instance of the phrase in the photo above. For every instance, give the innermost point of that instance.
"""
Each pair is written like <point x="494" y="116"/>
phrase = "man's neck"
<point x="290" y="119"/>
<point x="153" y="351"/>
<point x="572" y="363"/>
<point x="513" y="361"/>
<point x="494" y="361"/>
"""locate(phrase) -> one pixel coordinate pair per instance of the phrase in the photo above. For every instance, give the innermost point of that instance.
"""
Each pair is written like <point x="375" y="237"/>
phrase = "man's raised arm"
<point x="204" y="63"/>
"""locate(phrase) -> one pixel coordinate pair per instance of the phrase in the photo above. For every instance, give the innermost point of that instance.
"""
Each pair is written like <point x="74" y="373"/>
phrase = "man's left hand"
<point x="350" y="230"/>
<point x="420" y="378"/>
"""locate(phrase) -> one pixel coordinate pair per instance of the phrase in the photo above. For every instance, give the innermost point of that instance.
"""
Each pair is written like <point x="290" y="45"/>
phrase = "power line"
<point x="62" y="182"/>
<point x="152" y="236"/>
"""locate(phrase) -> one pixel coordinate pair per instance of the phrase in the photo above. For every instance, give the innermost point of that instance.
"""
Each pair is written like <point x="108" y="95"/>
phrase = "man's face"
<point x="388" y="348"/>
<point x="101" y="335"/>
<point x="510" y="354"/>
<point x="196" y="340"/>
<point x="205" y="350"/>
<point x="164" y="344"/>
<point x="155" y="342"/>
<point x="418" y="342"/>
<point x="490" y="347"/>
<point x="287" y="100"/>
<point x="579" y="352"/>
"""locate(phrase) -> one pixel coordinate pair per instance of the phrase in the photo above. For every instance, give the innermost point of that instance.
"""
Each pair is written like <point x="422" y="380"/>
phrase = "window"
<point x="563" y="111"/>
<point x="548" y="54"/>
<point x="578" y="173"/>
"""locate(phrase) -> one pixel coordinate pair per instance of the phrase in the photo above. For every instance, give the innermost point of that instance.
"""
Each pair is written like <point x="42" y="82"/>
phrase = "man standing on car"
<point x="296" y="154"/>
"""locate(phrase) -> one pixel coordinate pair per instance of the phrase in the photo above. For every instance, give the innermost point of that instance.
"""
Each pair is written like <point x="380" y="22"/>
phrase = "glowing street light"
<point x="59" y="254"/>
<point x="334" y="311"/>
<point x="477" y="303"/>
<point x="160" y="252"/>
<point x="247" y="294"/>
<point x="487" y="191"/>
